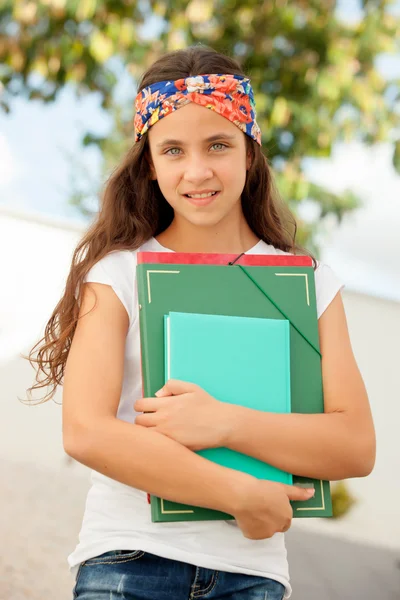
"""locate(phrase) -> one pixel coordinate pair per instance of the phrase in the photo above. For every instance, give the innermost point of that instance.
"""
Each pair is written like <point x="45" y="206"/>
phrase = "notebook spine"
<point x="167" y="342"/>
<point x="289" y="387"/>
<point x="141" y="285"/>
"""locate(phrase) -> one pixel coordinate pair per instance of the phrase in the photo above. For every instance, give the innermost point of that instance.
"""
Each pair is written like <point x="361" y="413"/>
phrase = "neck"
<point x="187" y="237"/>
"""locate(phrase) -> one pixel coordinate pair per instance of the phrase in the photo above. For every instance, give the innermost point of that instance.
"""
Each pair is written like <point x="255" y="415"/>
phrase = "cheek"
<point x="169" y="175"/>
<point x="168" y="183"/>
<point x="234" y="180"/>
<point x="232" y="170"/>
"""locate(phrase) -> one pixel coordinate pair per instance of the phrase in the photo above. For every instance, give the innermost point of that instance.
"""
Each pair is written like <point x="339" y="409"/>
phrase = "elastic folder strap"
<point x="277" y="307"/>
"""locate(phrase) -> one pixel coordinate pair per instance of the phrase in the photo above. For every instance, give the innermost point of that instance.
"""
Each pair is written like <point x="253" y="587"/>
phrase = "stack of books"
<point x="246" y="331"/>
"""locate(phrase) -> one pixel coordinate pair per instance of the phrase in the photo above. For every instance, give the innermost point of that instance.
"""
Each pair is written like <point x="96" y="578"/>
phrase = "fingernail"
<point x="310" y="492"/>
<point x="160" y="392"/>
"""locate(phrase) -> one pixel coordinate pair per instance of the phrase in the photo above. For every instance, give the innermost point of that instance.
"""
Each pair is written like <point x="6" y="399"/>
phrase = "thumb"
<point x="173" y="387"/>
<point x="298" y="493"/>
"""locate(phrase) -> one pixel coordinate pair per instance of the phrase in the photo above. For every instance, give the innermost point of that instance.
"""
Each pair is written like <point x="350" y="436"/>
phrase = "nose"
<point x="197" y="169"/>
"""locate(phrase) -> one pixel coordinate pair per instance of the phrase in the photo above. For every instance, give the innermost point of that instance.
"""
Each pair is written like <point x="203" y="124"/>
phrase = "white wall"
<point x="35" y="257"/>
<point x="374" y="326"/>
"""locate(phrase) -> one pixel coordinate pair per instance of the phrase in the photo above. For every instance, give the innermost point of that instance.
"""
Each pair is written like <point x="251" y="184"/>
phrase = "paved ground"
<point x="41" y="514"/>
<point x="325" y="568"/>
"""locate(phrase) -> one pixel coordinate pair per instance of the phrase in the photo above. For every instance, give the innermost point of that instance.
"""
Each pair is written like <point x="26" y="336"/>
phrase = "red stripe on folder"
<point x="251" y="260"/>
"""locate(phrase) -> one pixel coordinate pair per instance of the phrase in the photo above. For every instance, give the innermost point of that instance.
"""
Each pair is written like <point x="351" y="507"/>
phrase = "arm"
<point x="137" y="456"/>
<point x="335" y="445"/>
<point x="128" y="453"/>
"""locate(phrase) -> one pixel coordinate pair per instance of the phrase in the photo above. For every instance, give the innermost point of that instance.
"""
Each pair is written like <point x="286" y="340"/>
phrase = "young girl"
<point x="195" y="180"/>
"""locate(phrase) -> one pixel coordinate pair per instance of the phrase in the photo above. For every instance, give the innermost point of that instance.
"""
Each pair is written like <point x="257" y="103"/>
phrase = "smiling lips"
<point x="202" y="199"/>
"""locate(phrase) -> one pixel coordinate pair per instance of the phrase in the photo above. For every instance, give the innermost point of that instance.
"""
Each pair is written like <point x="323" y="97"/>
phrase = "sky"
<point x="38" y="143"/>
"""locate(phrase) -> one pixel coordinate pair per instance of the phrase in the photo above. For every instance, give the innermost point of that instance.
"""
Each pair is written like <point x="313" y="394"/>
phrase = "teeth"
<point x="201" y="195"/>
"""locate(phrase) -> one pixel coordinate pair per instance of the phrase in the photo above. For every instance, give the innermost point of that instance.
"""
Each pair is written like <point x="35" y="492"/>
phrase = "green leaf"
<point x="101" y="47"/>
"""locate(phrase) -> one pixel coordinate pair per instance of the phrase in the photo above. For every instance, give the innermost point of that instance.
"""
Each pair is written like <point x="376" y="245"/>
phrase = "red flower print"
<point x="180" y="84"/>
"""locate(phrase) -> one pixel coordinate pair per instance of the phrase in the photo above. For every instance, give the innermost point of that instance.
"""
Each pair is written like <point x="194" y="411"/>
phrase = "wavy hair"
<point x="133" y="209"/>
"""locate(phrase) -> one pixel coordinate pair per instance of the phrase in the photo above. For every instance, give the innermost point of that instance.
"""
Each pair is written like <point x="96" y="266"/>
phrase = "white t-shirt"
<point x="117" y="516"/>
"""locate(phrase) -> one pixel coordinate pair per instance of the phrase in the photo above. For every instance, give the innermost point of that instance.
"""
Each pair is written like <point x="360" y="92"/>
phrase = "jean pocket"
<point x="113" y="557"/>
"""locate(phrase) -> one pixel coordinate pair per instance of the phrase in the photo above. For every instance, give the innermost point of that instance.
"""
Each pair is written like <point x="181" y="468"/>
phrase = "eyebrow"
<point x="213" y="138"/>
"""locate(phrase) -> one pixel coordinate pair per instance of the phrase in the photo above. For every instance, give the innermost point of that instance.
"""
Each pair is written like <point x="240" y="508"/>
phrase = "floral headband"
<point x="229" y="95"/>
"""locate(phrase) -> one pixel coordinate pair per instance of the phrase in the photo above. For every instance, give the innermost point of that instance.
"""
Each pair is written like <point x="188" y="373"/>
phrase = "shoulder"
<point x="114" y="265"/>
<point x="327" y="282"/>
<point x="118" y="270"/>
<point x="327" y="286"/>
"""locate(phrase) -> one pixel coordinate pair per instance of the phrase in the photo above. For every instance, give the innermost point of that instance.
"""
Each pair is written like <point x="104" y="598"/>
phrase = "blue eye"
<point x="175" y="154"/>
<point x="170" y="151"/>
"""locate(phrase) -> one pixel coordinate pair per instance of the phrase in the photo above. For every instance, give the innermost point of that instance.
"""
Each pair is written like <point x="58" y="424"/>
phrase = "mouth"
<point x="202" y="201"/>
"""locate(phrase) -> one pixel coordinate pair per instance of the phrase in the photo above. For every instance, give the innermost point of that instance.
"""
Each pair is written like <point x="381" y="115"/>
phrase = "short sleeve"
<point x="118" y="270"/>
<point x="327" y="285"/>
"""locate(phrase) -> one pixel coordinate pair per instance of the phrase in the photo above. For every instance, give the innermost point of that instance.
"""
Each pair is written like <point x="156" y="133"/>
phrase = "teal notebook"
<point x="238" y="360"/>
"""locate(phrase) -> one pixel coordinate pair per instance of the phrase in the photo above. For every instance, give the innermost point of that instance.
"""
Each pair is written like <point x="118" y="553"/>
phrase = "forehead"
<point x="191" y="123"/>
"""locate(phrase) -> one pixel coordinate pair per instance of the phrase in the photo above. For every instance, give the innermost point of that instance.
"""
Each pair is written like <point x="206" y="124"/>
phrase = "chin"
<point x="204" y="217"/>
<point x="204" y="220"/>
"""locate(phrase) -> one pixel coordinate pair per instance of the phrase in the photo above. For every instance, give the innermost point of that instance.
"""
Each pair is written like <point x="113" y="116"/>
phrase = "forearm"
<point x="154" y="463"/>
<point x="320" y="446"/>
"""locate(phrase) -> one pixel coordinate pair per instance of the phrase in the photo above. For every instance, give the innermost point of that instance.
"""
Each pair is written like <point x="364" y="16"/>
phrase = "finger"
<point x="285" y="528"/>
<point x="297" y="493"/>
<point x="146" y="420"/>
<point x="148" y="404"/>
<point x="174" y="387"/>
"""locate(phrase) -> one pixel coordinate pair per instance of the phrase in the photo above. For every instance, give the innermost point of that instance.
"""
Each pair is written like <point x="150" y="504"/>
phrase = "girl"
<point x="195" y="180"/>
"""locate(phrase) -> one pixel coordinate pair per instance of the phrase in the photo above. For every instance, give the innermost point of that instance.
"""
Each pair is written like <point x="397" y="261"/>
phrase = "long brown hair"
<point x="133" y="210"/>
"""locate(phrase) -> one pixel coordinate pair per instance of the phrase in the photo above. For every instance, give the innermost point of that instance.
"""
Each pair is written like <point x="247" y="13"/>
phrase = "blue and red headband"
<point x="231" y="96"/>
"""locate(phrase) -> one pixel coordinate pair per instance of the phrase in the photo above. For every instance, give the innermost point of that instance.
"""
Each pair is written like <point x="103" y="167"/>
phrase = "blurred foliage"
<point x="314" y="75"/>
<point x="342" y="500"/>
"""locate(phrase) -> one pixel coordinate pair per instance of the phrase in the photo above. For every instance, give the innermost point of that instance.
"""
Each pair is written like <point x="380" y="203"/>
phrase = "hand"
<point x="186" y="413"/>
<point x="263" y="507"/>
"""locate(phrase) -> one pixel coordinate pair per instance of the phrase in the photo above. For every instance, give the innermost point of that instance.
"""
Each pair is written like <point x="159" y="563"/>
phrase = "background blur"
<point x="326" y="76"/>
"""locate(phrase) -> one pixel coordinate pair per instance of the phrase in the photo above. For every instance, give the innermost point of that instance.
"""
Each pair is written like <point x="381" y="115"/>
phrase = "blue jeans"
<point x="137" y="575"/>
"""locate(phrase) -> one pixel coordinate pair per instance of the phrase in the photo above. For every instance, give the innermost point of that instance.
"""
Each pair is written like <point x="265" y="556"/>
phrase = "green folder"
<point x="239" y="360"/>
<point x="273" y="292"/>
